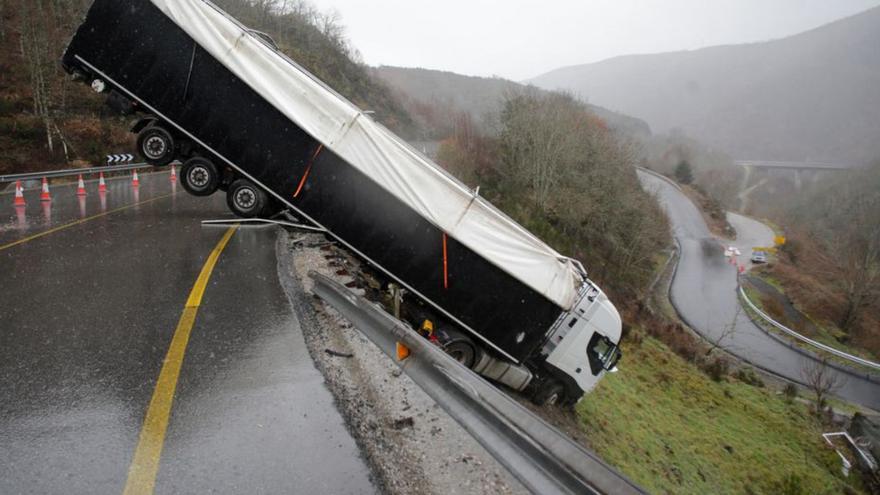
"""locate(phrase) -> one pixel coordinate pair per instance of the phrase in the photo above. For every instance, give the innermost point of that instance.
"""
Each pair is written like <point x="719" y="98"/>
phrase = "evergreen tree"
<point x="684" y="173"/>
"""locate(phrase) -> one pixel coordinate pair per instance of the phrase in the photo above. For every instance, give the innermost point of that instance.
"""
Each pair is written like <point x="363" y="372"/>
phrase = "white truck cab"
<point x="585" y="344"/>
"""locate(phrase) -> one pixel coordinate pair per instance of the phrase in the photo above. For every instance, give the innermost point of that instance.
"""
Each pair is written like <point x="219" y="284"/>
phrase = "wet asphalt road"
<point x="87" y="317"/>
<point x="704" y="293"/>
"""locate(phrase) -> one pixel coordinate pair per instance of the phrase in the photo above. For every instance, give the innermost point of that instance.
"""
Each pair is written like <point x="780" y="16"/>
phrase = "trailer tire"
<point x="156" y="145"/>
<point x="199" y="176"/>
<point x="463" y="351"/>
<point x="246" y="199"/>
<point x="550" y="393"/>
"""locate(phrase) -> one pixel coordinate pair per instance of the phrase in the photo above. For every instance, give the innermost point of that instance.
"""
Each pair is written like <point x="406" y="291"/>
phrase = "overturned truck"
<point x="245" y="119"/>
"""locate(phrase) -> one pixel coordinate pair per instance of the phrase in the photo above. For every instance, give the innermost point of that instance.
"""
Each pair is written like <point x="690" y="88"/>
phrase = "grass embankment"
<point x="673" y="430"/>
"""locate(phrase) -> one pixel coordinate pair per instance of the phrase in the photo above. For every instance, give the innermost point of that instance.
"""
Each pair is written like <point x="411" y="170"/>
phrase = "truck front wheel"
<point x="200" y="176"/>
<point x="245" y="199"/>
<point x="550" y="393"/>
<point x="156" y="145"/>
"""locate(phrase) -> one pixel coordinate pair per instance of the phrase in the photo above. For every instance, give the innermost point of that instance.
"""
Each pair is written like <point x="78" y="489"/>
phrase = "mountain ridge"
<point x="754" y="100"/>
<point x="479" y="96"/>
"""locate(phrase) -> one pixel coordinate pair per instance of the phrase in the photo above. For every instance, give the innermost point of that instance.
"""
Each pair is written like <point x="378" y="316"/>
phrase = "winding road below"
<point x="703" y="292"/>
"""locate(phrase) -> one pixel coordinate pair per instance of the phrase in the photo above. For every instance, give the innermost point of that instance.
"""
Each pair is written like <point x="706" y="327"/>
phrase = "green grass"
<point x="766" y="277"/>
<point x="754" y="296"/>
<point x="673" y="430"/>
<point x="842" y="407"/>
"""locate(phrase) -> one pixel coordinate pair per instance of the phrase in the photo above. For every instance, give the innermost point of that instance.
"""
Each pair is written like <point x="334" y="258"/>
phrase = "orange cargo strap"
<point x="305" y="176"/>
<point x="445" y="265"/>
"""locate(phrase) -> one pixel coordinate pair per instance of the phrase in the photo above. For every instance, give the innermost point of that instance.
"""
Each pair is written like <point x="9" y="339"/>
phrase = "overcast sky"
<point x="519" y="39"/>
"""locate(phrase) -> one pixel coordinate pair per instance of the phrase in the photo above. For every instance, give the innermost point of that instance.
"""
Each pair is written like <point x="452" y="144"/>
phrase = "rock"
<point x="331" y="352"/>
<point x="402" y="423"/>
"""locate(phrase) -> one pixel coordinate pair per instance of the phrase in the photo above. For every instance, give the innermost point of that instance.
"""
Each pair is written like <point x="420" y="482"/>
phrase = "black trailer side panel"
<point x="142" y="52"/>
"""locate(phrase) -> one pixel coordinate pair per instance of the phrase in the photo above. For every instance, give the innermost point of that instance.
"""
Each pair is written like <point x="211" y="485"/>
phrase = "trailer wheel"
<point x="200" y="176"/>
<point x="462" y="350"/>
<point x="156" y="145"/>
<point x="550" y="393"/>
<point x="246" y="199"/>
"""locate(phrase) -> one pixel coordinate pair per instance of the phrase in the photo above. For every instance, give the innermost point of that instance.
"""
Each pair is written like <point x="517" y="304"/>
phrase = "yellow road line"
<point x="145" y="465"/>
<point x="80" y="221"/>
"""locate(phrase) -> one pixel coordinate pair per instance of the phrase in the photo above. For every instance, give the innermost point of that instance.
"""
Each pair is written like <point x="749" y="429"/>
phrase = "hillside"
<point x="479" y="96"/>
<point x="48" y="122"/>
<point x="812" y="96"/>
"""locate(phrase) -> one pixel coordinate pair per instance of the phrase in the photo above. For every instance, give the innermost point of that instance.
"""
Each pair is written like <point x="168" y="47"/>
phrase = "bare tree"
<point x="543" y="139"/>
<point x="846" y="217"/>
<point x="2" y="20"/>
<point x="727" y="333"/>
<point x="38" y="51"/>
<point x="861" y="256"/>
<point x="34" y="45"/>
<point x="822" y="380"/>
<point x="570" y="173"/>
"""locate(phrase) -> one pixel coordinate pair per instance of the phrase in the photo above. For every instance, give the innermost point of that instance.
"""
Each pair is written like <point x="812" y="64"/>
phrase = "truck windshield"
<point x="602" y="354"/>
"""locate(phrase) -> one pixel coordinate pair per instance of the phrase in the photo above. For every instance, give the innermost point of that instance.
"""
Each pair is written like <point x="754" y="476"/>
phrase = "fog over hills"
<point x="479" y="96"/>
<point x="812" y="96"/>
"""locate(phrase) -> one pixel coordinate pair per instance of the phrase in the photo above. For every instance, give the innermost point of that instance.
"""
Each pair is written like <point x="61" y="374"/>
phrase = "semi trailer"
<point x="246" y="120"/>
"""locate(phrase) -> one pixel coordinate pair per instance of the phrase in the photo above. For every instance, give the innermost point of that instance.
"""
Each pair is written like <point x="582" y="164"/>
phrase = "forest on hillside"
<point x="49" y="122"/>
<point x="831" y="263"/>
<point x="558" y="169"/>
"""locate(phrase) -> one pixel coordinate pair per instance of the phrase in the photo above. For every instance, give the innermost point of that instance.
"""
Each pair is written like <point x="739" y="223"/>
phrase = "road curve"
<point x="86" y="318"/>
<point x="703" y="292"/>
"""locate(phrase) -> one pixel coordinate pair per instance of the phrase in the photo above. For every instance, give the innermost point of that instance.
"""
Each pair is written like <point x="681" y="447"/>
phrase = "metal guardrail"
<point x="818" y="345"/>
<point x="544" y="460"/>
<point x="262" y="221"/>
<point x="659" y="176"/>
<point x="71" y="172"/>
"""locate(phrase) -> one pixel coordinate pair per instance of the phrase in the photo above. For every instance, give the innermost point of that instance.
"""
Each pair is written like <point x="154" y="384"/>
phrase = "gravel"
<point x="410" y="443"/>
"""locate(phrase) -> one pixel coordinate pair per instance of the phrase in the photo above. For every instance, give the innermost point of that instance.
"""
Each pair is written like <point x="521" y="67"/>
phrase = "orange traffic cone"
<point x="135" y="182"/>
<point x="47" y="211"/>
<point x="19" y="194"/>
<point x="81" y="187"/>
<point x="102" y="186"/>
<point x="21" y="216"/>
<point x="173" y="174"/>
<point x="44" y="196"/>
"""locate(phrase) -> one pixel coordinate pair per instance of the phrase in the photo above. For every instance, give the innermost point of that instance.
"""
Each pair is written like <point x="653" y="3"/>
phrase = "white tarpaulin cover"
<point x="377" y="152"/>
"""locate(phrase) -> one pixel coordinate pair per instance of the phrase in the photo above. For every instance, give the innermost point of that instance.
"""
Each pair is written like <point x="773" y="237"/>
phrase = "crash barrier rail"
<point x="818" y="345"/>
<point x="659" y="176"/>
<point x="865" y="458"/>
<point x="262" y="221"/>
<point x="72" y="172"/>
<point x="544" y="460"/>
